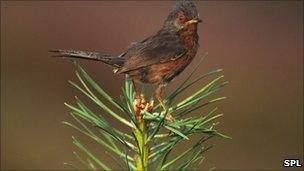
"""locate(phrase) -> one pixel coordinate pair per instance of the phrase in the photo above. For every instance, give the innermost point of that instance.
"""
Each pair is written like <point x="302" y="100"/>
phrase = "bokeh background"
<point x="259" y="44"/>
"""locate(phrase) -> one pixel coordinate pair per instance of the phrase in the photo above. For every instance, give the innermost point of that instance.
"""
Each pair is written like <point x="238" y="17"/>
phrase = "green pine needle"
<point x="146" y="142"/>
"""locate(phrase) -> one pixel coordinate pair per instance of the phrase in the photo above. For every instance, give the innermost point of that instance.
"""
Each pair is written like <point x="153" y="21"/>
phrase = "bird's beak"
<point x="193" y="21"/>
<point x="196" y="20"/>
<point x="199" y="20"/>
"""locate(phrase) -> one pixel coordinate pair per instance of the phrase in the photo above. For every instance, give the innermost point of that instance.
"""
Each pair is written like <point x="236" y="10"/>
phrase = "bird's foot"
<point x="169" y="117"/>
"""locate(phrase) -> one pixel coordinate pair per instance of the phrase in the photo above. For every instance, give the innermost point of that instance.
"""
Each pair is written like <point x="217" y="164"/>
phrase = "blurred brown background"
<point x="258" y="44"/>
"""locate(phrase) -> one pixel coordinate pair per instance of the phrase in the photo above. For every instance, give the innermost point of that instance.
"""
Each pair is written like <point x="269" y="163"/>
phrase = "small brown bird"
<point x="158" y="58"/>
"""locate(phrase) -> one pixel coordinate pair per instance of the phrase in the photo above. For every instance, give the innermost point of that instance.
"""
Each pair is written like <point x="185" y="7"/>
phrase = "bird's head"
<point x="183" y="15"/>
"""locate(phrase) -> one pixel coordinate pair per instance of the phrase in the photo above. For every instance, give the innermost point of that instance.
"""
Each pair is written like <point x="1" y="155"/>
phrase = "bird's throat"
<point x="189" y="36"/>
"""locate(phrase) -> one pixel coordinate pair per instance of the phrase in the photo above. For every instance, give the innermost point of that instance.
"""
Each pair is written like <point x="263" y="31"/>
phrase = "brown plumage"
<point x="158" y="58"/>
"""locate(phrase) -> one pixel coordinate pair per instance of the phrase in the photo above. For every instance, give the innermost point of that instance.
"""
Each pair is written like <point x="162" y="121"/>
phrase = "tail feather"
<point x="105" y="58"/>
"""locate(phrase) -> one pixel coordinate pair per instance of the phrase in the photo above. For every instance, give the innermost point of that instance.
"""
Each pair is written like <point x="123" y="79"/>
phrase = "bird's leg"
<point x="158" y="95"/>
<point x="137" y="93"/>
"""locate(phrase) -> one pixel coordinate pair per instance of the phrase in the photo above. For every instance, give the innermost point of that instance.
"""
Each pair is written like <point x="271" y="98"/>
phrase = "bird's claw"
<point x="169" y="117"/>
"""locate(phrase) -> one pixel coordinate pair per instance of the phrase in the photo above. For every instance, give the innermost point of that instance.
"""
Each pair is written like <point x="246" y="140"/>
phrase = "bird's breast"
<point x="163" y="72"/>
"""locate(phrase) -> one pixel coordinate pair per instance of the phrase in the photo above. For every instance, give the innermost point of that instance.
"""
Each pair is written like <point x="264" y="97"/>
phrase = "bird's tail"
<point x="105" y="58"/>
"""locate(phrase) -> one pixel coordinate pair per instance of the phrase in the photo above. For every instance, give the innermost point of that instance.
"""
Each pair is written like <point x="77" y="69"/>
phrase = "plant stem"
<point x="143" y="149"/>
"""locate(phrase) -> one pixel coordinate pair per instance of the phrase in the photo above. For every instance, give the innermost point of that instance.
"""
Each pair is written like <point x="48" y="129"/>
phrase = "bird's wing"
<point x="159" y="48"/>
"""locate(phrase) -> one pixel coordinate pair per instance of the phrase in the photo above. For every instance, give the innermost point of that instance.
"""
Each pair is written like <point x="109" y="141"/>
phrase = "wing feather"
<point x="159" y="48"/>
